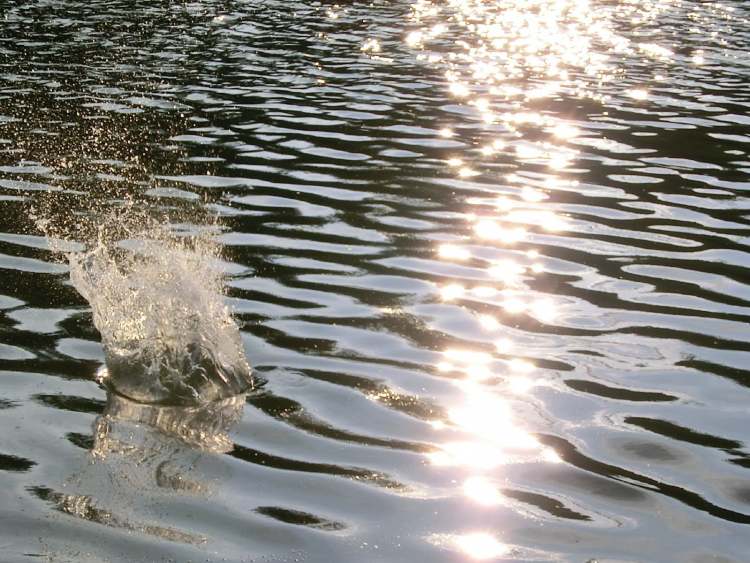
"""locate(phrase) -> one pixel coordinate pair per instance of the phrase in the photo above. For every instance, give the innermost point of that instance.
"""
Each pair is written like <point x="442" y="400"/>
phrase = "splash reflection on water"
<point x="149" y="449"/>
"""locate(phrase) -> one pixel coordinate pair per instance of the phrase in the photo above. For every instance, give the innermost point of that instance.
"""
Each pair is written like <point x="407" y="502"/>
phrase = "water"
<point x="488" y="261"/>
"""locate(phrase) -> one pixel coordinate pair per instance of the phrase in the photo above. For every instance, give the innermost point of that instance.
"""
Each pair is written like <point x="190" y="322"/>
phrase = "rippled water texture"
<point x="488" y="259"/>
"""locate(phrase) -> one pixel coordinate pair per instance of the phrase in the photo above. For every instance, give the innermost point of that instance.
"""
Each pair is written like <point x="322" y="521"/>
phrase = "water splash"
<point x="156" y="296"/>
<point x="152" y="276"/>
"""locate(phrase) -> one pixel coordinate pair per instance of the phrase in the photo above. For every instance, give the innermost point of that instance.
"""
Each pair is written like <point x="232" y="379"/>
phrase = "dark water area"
<point x="490" y="263"/>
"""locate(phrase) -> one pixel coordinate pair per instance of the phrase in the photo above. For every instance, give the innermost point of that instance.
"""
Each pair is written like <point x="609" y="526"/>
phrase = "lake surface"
<point x="490" y="263"/>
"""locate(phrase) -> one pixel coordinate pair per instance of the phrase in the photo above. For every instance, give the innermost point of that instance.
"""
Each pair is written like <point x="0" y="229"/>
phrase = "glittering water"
<point x="488" y="261"/>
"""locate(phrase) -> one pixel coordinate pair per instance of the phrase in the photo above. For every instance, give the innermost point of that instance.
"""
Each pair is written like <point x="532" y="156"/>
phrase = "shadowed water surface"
<point x="489" y="261"/>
